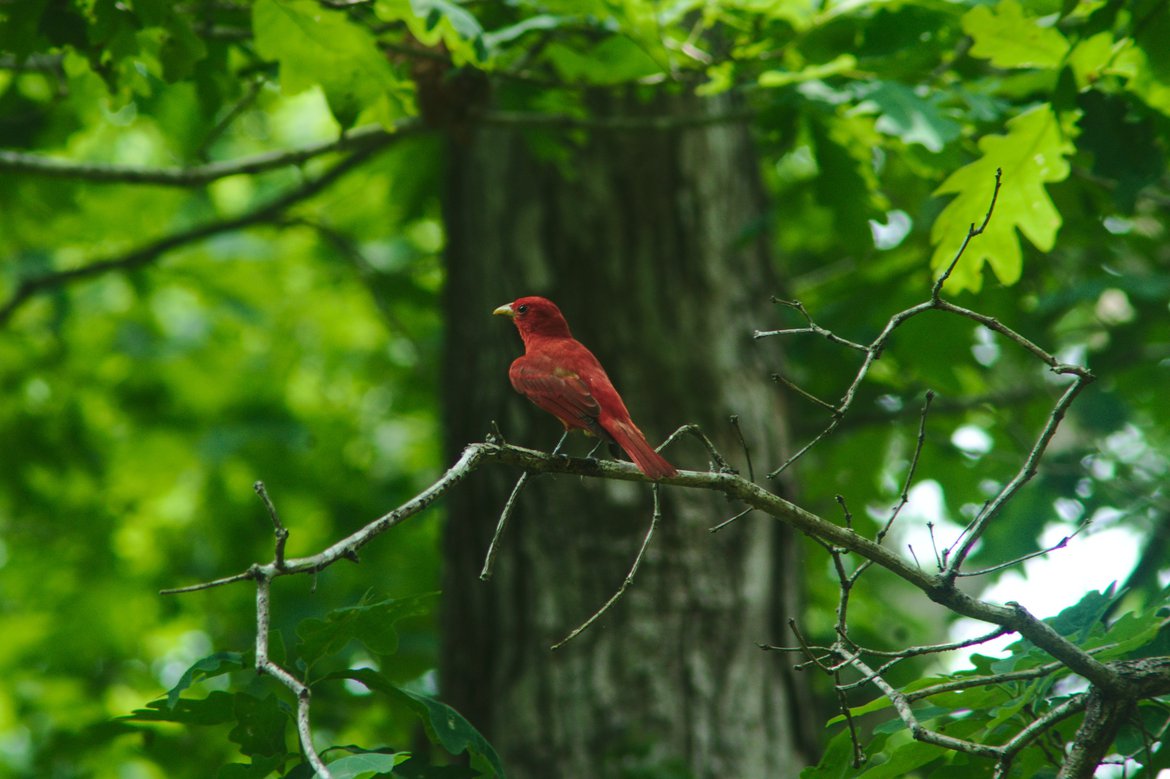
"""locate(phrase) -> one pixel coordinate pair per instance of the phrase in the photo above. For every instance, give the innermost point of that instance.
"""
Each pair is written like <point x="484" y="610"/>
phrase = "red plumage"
<point x="561" y="376"/>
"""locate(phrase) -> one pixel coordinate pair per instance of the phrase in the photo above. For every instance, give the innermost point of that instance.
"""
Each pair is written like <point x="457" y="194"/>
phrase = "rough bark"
<point x="650" y="243"/>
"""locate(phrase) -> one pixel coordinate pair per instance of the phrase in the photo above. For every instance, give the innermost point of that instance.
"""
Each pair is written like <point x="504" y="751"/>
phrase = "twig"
<point x="801" y="452"/>
<point x="1061" y="544"/>
<point x="1022" y="477"/>
<point x="917" y="730"/>
<point x="967" y="683"/>
<point x="280" y="530"/>
<point x="780" y="378"/>
<point x="813" y="327"/>
<point x="719" y="461"/>
<point x="972" y="232"/>
<point x="747" y="452"/>
<point x="905" y="496"/>
<point x="729" y="520"/>
<point x="655" y="518"/>
<point x="1035" y="729"/>
<point x="239" y="577"/>
<point x="805" y="647"/>
<point x="489" y="561"/>
<point x="939" y="559"/>
<point x="846" y="514"/>
<point x="842" y="700"/>
<point x="898" y="656"/>
<point x="48" y="63"/>
<point x="265" y="665"/>
<point x="934" y="649"/>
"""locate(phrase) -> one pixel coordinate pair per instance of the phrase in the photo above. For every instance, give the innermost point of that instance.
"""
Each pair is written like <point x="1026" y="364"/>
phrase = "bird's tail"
<point x="631" y="440"/>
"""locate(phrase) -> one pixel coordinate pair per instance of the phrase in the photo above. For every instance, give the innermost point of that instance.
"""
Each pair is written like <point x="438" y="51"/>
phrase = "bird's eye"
<point x="522" y="308"/>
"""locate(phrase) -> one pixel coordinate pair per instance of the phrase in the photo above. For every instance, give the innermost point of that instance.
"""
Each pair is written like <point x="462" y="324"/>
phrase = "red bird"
<point x="561" y="376"/>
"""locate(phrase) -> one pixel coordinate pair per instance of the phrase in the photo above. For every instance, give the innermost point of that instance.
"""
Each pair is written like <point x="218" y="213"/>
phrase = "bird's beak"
<point x="505" y="310"/>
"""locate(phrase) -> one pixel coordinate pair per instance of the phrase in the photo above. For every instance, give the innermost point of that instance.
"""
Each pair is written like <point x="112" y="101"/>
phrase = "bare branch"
<point x="655" y="518"/>
<point x="747" y="452"/>
<point x="934" y="649"/>
<point x="813" y="327"/>
<point x="1022" y="477"/>
<point x="265" y="665"/>
<point x="509" y="506"/>
<point x="718" y="460"/>
<point x="1061" y="544"/>
<point x="972" y="232"/>
<point x="280" y="530"/>
<point x="801" y="452"/>
<point x="1062" y="711"/>
<point x="970" y="682"/>
<point x="780" y="378"/>
<point x="917" y="730"/>
<point x="239" y="577"/>
<point x="729" y="520"/>
<point x="489" y="561"/>
<point x="96" y="172"/>
<point x="919" y="443"/>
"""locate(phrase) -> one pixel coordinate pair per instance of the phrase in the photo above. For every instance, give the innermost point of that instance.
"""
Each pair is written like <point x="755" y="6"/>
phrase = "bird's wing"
<point x="557" y="389"/>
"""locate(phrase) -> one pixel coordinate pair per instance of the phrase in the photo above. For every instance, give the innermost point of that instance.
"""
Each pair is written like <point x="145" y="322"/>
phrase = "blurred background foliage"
<point x="139" y="405"/>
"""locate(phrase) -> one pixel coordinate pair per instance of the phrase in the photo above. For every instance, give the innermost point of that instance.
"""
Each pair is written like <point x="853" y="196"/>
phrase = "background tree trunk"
<point x="651" y="243"/>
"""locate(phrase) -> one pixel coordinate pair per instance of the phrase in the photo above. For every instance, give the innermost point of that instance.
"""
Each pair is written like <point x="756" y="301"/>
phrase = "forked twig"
<point x="489" y="561"/>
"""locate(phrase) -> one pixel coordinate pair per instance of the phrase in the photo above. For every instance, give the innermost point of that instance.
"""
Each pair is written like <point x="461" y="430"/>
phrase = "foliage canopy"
<point x="221" y="246"/>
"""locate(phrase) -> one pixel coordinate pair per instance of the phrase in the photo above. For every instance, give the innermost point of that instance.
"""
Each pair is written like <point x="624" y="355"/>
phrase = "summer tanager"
<point x="561" y="376"/>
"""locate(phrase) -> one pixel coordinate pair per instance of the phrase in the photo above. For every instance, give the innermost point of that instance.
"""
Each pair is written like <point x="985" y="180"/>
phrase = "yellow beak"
<point x="505" y="310"/>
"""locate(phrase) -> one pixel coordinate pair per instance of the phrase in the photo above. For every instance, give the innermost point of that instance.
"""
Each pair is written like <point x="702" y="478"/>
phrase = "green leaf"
<point x="432" y="10"/>
<point x="844" y="180"/>
<point x="496" y="38"/>
<point x="1139" y="69"/>
<point x="906" y="115"/>
<point x="444" y="726"/>
<point x="316" y="46"/>
<point x="1031" y="154"/>
<point x="781" y="78"/>
<point x="615" y="60"/>
<point x="181" y="48"/>
<point x="1003" y="35"/>
<point x="259" y="768"/>
<point x="1091" y="57"/>
<point x="260" y="725"/>
<point x="366" y="764"/>
<point x="433" y="22"/>
<point x="370" y="623"/>
<point x="1125" y="147"/>
<point x="24" y="22"/>
<point x="211" y="666"/>
<point x="218" y="707"/>
<point x="418" y="768"/>
<point x="903" y="759"/>
<point x="1078" y="620"/>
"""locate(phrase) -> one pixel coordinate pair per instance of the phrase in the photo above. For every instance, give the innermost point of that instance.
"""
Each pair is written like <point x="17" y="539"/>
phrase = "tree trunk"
<point x="650" y="241"/>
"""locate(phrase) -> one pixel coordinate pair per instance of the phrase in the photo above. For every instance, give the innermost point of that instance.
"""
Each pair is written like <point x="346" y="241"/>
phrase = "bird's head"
<point x="536" y="316"/>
